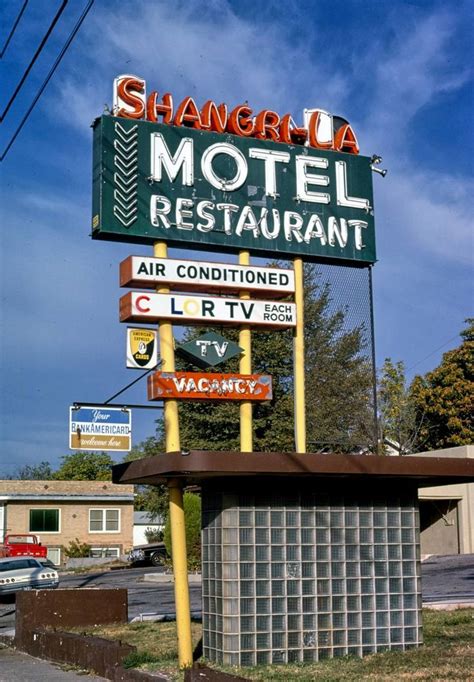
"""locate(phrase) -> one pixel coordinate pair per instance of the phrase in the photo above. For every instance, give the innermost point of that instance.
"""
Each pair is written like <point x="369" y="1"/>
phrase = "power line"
<point x="48" y="78"/>
<point x="35" y="57"/>
<point x="433" y="352"/>
<point x="122" y="390"/>
<point x="13" y="29"/>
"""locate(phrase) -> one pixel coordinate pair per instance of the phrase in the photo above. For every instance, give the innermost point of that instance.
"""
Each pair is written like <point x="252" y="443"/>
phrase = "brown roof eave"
<point x="199" y="465"/>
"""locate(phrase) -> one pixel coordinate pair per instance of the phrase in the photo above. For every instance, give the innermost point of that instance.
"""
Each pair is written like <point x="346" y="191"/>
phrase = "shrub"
<point x="77" y="549"/>
<point x="153" y="535"/>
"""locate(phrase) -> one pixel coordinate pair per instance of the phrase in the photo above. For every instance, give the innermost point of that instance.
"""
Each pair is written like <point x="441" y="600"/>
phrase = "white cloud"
<point x="206" y="51"/>
<point x="408" y="66"/>
<point x="424" y="216"/>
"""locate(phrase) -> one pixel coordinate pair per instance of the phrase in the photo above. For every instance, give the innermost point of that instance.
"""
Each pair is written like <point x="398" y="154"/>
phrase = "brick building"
<point x="98" y="513"/>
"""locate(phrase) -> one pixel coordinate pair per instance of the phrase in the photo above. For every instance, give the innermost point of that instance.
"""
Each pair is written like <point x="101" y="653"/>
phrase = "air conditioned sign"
<point x="146" y="307"/>
<point x="140" y="271"/>
<point x="227" y="193"/>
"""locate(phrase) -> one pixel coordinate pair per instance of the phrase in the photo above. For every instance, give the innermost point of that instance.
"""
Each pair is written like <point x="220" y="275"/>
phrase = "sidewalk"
<point x="18" y="666"/>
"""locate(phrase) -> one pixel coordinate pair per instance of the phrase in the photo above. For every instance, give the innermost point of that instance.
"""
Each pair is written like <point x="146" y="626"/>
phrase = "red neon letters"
<point x="131" y="102"/>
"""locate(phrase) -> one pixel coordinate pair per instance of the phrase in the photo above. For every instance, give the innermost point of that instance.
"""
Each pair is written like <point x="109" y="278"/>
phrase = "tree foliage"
<point x="34" y="472"/>
<point x="85" y="466"/>
<point x="444" y="398"/>
<point x="192" y="516"/>
<point x="150" y="498"/>
<point x="338" y="385"/>
<point x="339" y="377"/>
<point x="398" y="419"/>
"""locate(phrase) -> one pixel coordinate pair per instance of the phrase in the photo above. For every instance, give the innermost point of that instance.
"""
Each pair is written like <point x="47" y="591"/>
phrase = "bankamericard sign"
<point x="223" y="192"/>
<point x="104" y="428"/>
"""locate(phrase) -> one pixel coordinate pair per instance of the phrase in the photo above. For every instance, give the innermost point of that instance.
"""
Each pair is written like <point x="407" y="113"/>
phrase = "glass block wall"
<point x="309" y="572"/>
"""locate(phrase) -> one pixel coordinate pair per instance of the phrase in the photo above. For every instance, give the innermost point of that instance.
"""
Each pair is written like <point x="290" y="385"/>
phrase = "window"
<point x="104" y="520"/>
<point x="54" y="555"/>
<point x="105" y="552"/>
<point x="44" y="520"/>
<point x="16" y="565"/>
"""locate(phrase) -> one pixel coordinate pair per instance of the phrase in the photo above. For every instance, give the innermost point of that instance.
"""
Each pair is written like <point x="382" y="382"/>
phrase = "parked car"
<point x="153" y="554"/>
<point x="26" y="573"/>
<point x="22" y="544"/>
<point x="47" y="563"/>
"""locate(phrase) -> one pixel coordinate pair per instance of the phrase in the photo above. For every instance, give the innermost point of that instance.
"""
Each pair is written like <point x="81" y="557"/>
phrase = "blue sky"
<point x="400" y="71"/>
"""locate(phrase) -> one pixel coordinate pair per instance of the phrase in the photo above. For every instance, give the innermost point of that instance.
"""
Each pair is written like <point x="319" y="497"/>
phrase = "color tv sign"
<point x="257" y="187"/>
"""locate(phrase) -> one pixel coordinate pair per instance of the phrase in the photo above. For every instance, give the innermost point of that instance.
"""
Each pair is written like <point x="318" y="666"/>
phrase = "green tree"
<point x="149" y="498"/>
<point x="398" y="419"/>
<point x="85" y="466"/>
<point x="34" y="472"/>
<point x="445" y="398"/>
<point x="215" y="426"/>
<point x="192" y="516"/>
<point x="339" y="377"/>
<point x="338" y="385"/>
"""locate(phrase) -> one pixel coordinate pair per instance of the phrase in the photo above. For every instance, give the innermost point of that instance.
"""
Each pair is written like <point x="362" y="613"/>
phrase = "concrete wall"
<point x="461" y="496"/>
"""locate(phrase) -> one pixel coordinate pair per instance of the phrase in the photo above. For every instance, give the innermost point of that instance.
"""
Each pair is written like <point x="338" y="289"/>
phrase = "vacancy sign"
<point x="147" y="307"/>
<point x="100" y="428"/>
<point x="143" y="272"/>
<point x="200" y="386"/>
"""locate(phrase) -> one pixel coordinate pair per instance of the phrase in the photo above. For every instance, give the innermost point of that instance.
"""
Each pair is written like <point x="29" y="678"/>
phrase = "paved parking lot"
<point x="444" y="579"/>
<point x="448" y="579"/>
<point x="15" y="666"/>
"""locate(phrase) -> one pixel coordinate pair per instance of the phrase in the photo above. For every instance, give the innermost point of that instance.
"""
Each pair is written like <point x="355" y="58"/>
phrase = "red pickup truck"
<point x="22" y="545"/>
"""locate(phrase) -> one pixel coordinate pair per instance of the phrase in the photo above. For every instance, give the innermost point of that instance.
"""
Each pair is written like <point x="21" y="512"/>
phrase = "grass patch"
<point x="448" y="654"/>
<point x="156" y="644"/>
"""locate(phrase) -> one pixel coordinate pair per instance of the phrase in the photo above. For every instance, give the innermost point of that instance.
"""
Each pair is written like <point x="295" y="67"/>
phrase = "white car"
<point x="26" y="573"/>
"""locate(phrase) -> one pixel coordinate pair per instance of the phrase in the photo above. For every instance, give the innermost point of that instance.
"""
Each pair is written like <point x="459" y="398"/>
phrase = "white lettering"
<point x="292" y="224"/>
<point x="158" y="215"/>
<point x="303" y="179"/>
<point x="182" y="206"/>
<point x="161" y="157"/>
<point x="343" y="198"/>
<point x="336" y="232"/>
<point x="201" y="212"/>
<point x="208" y="171"/>
<point x="270" y="158"/>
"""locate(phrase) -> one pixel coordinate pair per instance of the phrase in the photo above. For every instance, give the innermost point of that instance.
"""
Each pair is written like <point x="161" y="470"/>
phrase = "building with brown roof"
<point x="98" y="513"/>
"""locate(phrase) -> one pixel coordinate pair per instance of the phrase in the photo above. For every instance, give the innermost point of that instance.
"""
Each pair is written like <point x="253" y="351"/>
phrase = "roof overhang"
<point x="196" y="466"/>
<point x="73" y="499"/>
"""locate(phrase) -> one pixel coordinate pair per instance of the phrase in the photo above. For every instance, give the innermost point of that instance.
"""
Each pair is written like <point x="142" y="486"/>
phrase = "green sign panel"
<point x="197" y="189"/>
<point x="209" y="350"/>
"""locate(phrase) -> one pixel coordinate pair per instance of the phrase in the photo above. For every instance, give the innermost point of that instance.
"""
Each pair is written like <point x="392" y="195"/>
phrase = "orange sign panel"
<point x="210" y="386"/>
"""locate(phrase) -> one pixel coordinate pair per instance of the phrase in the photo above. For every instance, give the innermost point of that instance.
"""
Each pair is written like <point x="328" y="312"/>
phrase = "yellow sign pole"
<point x="245" y="367"/>
<point x="177" y="522"/>
<point x="180" y="572"/>
<point x="298" y="349"/>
